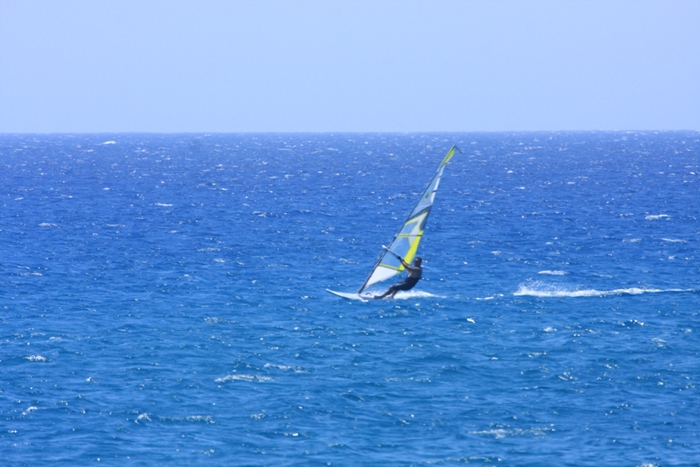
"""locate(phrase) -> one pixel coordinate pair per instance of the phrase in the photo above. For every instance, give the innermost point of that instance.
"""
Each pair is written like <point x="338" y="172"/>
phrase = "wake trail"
<point x="548" y="291"/>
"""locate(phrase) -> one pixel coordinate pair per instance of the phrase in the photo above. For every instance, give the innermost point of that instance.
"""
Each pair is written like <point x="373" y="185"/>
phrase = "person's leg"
<point x="405" y="285"/>
<point x="392" y="291"/>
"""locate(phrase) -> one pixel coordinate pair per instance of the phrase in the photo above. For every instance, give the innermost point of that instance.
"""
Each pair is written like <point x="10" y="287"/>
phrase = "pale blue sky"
<point x="322" y="65"/>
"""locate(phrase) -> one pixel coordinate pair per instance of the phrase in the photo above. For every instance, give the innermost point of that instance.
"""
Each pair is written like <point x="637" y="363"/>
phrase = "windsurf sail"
<point x="405" y="242"/>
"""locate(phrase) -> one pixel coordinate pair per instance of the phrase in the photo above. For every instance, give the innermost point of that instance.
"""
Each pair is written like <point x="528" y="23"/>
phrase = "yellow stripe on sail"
<point x="412" y="251"/>
<point x="449" y="155"/>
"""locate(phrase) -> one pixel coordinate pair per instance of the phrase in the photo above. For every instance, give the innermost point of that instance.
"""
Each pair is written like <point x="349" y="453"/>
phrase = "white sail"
<point x="405" y="243"/>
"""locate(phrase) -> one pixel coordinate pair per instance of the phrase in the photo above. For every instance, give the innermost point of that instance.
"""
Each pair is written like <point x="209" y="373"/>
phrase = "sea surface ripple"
<point x="163" y="300"/>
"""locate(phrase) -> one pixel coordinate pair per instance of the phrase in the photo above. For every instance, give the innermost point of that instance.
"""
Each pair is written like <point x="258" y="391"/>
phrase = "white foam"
<point x="245" y="378"/>
<point x="491" y="297"/>
<point x="673" y="240"/>
<point x="656" y="217"/>
<point x="217" y="320"/>
<point x="36" y="358"/>
<point x="550" y="291"/>
<point x="201" y="418"/>
<point x="295" y="369"/>
<point x="500" y="433"/>
<point x="401" y="295"/>
<point x="553" y="273"/>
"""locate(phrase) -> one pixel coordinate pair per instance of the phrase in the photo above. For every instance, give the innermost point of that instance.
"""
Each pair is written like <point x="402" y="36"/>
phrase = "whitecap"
<point x="553" y="273"/>
<point x="164" y="205"/>
<point x="47" y="224"/>
<point x="500" y="433"/>
<point x="217" y="320"/>
<point x="656" y="217"/>
<point x="491" y="297"/>
<point x="36" y="358"/>
<point x="245" y="378"/>
<point x="29" y="410"/>
<point x="551" y="291"/>
<point x="208" y="419"/>
<point x="295" y="369"/>
<point x="673" y="240"/>
<point x="415" y="294"/>
<point x="108" y="143"/>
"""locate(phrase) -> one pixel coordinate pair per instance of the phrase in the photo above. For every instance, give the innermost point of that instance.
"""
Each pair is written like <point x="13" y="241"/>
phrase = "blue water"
<point x="163" y="302"/>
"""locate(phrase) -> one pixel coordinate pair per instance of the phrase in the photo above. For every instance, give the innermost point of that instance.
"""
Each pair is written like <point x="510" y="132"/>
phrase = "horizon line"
<point x="270" y="132"/>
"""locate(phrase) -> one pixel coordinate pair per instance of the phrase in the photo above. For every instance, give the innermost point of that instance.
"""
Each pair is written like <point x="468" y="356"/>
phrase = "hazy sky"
<point x="354" y="65"/>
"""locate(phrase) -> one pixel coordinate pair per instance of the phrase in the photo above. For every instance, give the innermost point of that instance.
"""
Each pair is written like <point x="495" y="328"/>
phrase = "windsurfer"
<point x="415" y="272"/>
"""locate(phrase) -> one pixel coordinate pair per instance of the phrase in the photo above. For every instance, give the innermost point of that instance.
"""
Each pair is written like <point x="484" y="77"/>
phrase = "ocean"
<point x="163" y="300"/>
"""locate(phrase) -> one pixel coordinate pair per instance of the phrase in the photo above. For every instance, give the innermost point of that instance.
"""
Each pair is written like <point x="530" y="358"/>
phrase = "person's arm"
<point x="408" y="267"/>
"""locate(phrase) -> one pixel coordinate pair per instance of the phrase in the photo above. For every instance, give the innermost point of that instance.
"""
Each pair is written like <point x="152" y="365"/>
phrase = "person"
<point x="415" y="272"/>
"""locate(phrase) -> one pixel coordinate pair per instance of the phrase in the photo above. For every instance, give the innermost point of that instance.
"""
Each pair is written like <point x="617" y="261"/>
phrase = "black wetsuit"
<point x="415" y="274"/>
<point x="406" y="284"/>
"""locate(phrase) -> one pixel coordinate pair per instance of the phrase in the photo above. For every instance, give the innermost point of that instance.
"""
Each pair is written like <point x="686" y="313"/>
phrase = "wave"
<point x="244" y="378"/>
<point x="295" y="369"/>
<point x="548" y="291"/>
<point x="490" y="297"/>
<point x="500" y="433"/>
<point x="36" y="358"/>
<point x="146" y="417"/>
<point x="405" y="295"/>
